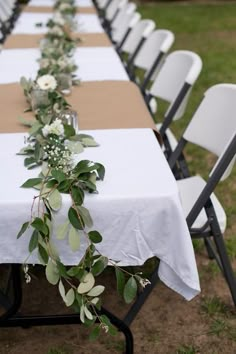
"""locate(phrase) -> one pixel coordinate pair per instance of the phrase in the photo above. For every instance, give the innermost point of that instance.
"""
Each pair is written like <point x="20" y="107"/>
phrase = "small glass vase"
<point x="39" y="98"/>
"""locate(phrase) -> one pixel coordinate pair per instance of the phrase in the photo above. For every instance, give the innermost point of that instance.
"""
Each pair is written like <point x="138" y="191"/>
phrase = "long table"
<point x="137" y="210"/>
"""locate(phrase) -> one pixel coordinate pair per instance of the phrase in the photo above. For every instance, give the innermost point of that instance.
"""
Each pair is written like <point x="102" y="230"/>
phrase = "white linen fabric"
<point x="26" y="23"/>
<point x="94" y="64"/>
<point x="50" y="3"/>
<point x="137" y="209"/>
<point x="99" y="64"/>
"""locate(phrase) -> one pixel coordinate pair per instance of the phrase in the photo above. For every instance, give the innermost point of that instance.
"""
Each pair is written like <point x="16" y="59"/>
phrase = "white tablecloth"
<point x="50" y="3"/>
<point x="137" y="210"/>
<point x="94" y="64"/>
<point x="87" y="23"/>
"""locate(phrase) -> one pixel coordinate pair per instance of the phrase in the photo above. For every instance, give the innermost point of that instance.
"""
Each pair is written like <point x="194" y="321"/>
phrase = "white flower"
<point x="58" y="19"/>
<point x="55" y="128"/>
<point x="144" y="282"/>
<point x="56" y="30"/>
<point x="104" y="327"/>
<point x="47" y="82"/>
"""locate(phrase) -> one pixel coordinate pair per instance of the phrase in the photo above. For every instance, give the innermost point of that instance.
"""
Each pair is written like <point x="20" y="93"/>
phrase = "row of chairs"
<point x="170" y="77"/>
<point x="9" y="11"/>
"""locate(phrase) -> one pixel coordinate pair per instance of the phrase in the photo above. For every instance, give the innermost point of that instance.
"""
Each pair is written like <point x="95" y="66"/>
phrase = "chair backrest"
<point x="120" y="20"/>
<point x="175" y="79"/>
<point x="159" y="41"/>
<point x="214" y="125"/>
<point x="128" y="22"/>
<point x="140" y="32"/>
<point x="113" y="9"/>
<point x="4" y="16"/>
<point x="101" y="4"/>
<point x="150" y="57"/>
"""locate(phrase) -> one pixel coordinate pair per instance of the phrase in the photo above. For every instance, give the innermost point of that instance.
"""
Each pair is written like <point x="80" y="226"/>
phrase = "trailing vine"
<point x="54" y="144"/>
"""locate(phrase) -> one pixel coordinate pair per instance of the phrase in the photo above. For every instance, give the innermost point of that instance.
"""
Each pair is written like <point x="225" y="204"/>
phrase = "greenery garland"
<point x="53" y="144"/>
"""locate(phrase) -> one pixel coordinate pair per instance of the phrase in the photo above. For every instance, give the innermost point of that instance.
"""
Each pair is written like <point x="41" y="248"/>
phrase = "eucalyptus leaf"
<point x="84" y="213"/>
<point x="53" y="250"/>
<point x="75" y="221"/>
<point x="77" y="195"/>
<point x="33" y="241"/>
<point x="100" y="171"/>
<point x="35" y="128"/>
<point x="82" y="313"/>
<point x="120" y="281"/>
<point x="55" y="200"/>
<point x="52" y="273"/>
<point x="42" y="254"/>
<point x="86" y="284"/>
<point x="27" y="150"/>
<point x="30" y="162"/>
<point x="45" y="169"/>
<point x="75" y="147"/>
<point x="68" y="130"/>
<point x="64" y="186"/>
<point x="62" y="230"/>
<point x="93" y="177"/>
<point x="87" y="313"/>
<point x="41" y="226"/>
<point x="95" y="300"/>
<point x="90" y="142"/>
<point x="62" y="290"/>
<point x="27" y="123"/>
<point x="99" y="265"/>
<point x="96" y="291"/>
<point x="130" y="290"/>
<point x="70" y="297"/>
<point x="95" y="236"/>
<point x="24" y="227"/>
<point x="74" y="239"/>
<point x="31" y="182"/>
<point x="58" y="175"/>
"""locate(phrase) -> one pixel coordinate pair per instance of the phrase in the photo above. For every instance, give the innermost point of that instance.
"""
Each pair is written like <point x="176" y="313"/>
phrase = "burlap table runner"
<point x="47" y="9"/>
<point x="22" y="41"/>
<point x="100" y="105"/>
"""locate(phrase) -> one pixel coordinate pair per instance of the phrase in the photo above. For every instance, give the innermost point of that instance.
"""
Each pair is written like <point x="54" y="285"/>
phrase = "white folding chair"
<point x="151" y="55"/>
<point x="213" y="127"/>
<point x="112" y="11"/>
<point x="123" y="17"/>
<point x="135" y="40"/>
<point x="173" y="84"/>
<point x="120" y="33"/>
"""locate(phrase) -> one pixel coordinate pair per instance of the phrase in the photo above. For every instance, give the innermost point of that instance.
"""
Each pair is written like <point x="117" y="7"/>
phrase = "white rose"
<point x="47" y="82"/>
<point x="55" y="128"/>
<point x="58" y="19"/>
<point x="56" y="30"/>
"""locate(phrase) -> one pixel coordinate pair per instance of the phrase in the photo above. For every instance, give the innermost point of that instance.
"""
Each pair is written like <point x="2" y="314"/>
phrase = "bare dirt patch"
<point x="165" y="324"/>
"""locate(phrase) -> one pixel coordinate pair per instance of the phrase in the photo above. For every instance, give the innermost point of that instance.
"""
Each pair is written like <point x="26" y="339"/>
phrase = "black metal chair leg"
<point x="221" y="249"/>
<point x="209" y="250"/>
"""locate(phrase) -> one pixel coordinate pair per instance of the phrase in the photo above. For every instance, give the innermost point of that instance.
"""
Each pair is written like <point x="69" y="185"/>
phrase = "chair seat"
<point x="189" y="189"/>
<point x="170" y="136"/>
